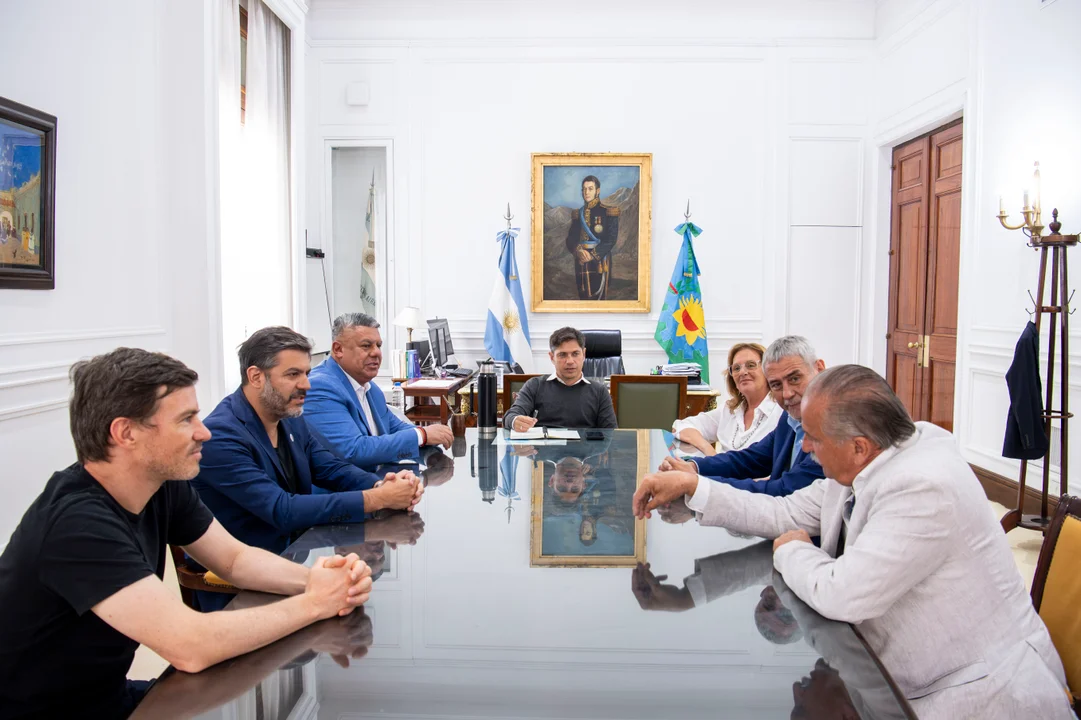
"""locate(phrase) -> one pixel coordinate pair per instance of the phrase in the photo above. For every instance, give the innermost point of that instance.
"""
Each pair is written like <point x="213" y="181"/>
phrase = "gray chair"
<point x="648" y="401"/>
<point x="604" y="353"/>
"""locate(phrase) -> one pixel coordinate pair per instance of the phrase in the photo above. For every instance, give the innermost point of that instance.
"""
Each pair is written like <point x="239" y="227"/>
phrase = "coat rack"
<point x="1059" y="305"/>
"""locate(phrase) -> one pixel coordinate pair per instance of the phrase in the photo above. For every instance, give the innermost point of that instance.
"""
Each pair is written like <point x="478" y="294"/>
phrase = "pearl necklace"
<point x="758" y="419"/>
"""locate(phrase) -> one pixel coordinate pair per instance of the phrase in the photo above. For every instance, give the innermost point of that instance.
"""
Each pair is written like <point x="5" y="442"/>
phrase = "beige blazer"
<point x="927" y="576"/>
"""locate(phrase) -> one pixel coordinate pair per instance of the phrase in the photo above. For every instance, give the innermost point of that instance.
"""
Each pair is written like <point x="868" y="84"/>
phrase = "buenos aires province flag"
<point x="681" y="329"/>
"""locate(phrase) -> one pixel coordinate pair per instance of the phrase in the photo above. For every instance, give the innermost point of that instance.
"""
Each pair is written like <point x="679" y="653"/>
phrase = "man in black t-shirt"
<point x="80" y="579"/>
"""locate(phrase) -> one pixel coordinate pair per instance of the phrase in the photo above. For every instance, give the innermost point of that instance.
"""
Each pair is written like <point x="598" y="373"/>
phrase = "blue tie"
<point x="797" y="445"/>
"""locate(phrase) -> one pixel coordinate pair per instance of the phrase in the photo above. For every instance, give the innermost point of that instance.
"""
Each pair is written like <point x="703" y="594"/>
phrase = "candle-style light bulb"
<point x="1036" y="180"/>
<point x="1026" y="200"/>
<point x="1001" y="206"/>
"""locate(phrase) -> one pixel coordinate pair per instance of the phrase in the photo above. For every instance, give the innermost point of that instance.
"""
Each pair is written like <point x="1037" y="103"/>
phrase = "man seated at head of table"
<point x="261" y="462"/>
<point x="749" y="415"/>
<point x="909" y="553"/>
<point x="790" y="363"/>
<point x="82" y="573"/>
<point x="349" y="412"/>
<point x="564" y="399"/>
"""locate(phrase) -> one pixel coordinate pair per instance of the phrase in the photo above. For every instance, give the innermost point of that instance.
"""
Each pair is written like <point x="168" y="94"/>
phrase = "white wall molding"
<point x="891" y="42"/>
<point x="33" y="409"/>
<point x="603" y="42"/>
<point x="117" y="333"/>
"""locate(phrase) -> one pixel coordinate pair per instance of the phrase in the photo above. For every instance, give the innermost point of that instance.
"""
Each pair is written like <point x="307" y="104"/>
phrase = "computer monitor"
<point x="439" y="335"/>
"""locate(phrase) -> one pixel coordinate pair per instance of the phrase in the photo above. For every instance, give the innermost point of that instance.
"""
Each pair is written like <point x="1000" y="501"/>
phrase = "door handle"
<point x="927" y="351"/>
<point x="914" y="345"/>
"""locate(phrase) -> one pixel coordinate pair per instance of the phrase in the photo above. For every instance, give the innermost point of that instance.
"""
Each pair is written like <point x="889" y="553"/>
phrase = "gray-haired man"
<point x="349" y="413"/>
<point x="789" y="363"/>
<point x="909" y="553"/>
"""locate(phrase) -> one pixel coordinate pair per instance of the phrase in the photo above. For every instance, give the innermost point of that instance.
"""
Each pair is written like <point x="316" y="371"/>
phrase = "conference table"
<point x="522" y="587"/>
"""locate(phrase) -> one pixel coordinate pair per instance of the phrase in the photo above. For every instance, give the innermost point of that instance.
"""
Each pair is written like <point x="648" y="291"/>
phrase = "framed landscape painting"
<point x="582" y="514"/>
<point x="27" y="189"/>
<point x="590" y="231"/>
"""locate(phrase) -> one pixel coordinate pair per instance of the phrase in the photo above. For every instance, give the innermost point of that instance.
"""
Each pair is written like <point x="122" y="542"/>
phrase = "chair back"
<point x="512" y="385"/>
<point x="192" y="578"/>
<point x="604" y="353"/>
<point x="648" y="401"/>
<point x="1056" y="588"/>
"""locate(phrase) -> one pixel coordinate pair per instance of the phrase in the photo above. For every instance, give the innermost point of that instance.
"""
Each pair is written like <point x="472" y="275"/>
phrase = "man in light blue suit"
<point x="349" y="412"/>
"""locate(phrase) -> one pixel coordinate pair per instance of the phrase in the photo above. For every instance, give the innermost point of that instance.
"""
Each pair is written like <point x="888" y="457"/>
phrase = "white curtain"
<point x="255" y="244"/>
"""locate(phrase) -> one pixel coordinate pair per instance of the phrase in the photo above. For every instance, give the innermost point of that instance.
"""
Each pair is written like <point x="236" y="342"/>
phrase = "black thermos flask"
<point x="486" y="400"/>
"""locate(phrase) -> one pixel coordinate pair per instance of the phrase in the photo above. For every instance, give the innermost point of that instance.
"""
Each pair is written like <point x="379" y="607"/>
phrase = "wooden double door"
<point x="925" y="243"/>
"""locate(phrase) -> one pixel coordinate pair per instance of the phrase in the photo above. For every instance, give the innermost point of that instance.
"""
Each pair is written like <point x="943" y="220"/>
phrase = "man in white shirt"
<point x="909" y="553"/>
<point x="349" y="413"/>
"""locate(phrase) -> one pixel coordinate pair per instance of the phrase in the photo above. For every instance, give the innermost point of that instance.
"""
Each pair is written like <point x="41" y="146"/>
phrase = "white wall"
<point x="935" y="60"/>
<point x="753" y="118"/>
<point x="131" y="263"/>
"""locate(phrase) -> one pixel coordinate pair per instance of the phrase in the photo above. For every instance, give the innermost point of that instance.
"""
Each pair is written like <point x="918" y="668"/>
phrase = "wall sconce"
<point x="1032" y="226"/>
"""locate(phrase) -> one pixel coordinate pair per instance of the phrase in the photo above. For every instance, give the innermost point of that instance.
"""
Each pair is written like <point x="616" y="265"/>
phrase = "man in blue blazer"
<point x="349" y="412"/>
<point x="789" y="363"/>
<point x="260" y="463"/>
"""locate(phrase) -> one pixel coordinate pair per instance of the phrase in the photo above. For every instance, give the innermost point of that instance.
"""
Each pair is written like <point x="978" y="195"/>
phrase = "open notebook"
<point x="538" y="433"/>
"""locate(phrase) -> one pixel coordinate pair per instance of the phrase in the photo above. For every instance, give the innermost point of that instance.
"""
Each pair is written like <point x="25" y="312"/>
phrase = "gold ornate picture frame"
<point x="584" y="517"/>
<point x="591" y="221"/>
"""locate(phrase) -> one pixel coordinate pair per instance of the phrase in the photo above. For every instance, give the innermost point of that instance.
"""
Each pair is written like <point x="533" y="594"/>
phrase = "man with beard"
<point x="261" y="462"/>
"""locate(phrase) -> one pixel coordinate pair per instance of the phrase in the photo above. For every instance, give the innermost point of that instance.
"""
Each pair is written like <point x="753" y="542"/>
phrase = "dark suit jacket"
<point x="242" y="480"/>
<point x="771" y="456"/>
<point x="1025" y="437"/>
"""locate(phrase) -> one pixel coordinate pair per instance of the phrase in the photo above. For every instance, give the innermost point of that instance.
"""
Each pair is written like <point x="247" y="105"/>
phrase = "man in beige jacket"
<point x="909" y="553"/>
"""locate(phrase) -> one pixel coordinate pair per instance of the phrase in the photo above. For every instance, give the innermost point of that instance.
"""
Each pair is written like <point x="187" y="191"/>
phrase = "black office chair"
<point x="604" y="353"/>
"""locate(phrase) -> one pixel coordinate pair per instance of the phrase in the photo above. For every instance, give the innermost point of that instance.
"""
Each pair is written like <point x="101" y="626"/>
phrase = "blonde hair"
<point x="736" y="398"/>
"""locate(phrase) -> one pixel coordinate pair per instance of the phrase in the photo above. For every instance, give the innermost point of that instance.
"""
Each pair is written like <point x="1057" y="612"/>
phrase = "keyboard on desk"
<point x="459" y="372"/>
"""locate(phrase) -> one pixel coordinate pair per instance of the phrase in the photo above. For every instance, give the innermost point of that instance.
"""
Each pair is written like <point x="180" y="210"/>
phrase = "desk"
<point x="460" y="624"/>
<point x="698" y="401"/>
<point x="425" y="411"/>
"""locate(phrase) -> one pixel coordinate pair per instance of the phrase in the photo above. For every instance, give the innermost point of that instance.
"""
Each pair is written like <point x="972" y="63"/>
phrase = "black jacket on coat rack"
<point x="1025" y="437"/>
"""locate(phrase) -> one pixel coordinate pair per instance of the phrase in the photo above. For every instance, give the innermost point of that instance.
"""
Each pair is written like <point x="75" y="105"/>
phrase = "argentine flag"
<point x="506" y="336"/>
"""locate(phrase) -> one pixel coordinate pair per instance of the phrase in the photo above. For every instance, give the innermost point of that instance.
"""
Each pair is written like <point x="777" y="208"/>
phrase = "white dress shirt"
<point x="362" y="398"/>
<point x="581" y="379"/>
<point x="725" y="429"/>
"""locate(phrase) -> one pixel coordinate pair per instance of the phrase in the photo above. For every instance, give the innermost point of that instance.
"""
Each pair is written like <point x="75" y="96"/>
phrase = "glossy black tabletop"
<point x="514" y="592"/>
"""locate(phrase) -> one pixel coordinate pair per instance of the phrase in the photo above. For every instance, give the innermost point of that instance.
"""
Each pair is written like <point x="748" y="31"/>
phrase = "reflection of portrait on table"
<point x="584" y="490"/>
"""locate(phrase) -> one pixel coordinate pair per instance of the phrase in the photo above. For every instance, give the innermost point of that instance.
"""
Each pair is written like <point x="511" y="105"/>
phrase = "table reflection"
<point x="459" y="623"/>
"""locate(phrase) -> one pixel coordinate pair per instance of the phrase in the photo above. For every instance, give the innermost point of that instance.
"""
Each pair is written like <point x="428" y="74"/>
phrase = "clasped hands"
<point x="337" y="585"/>
<point x="401" y="490"/>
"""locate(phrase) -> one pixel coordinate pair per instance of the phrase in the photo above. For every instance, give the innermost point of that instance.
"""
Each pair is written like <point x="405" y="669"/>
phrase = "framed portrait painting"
<point x="27" y="185"/>
<point x="590" y="232"/>
<point x="582" y="513"/>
